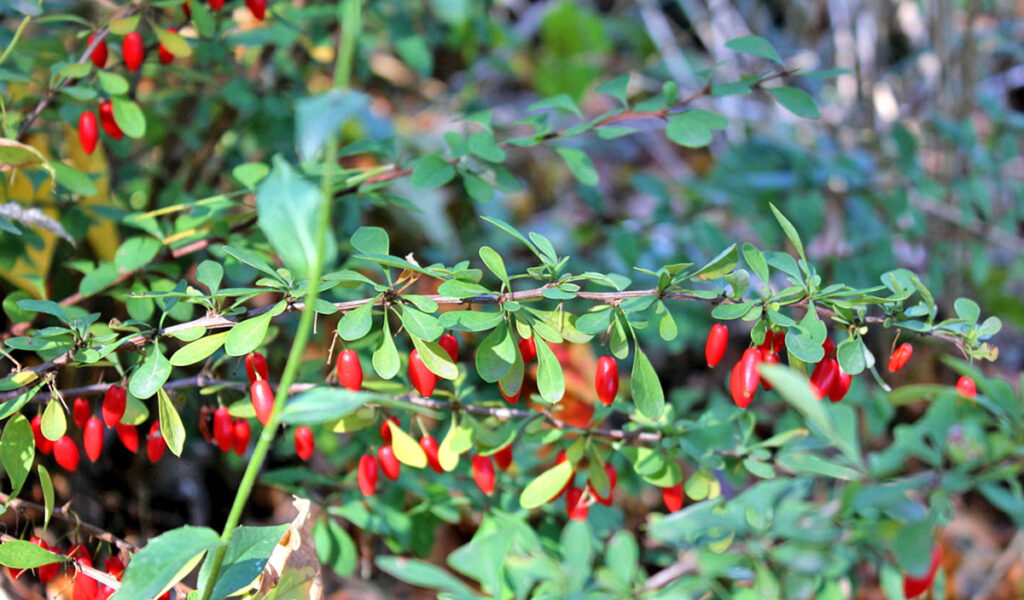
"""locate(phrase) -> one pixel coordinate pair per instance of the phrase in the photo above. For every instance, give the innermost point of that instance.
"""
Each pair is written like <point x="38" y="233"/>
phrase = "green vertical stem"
<point x="349" y="13"/>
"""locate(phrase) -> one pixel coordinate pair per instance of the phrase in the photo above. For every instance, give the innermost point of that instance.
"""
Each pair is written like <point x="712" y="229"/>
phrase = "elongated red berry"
<point x="422" y="378"/>
<point x="503" y="458"/>
<point x="779" y="341"/>
<point x="613" y="479"/>
<point x="840" y="386"/>
<point x="714" y="347"/>
<point x="81" y="410"/>
<point x="389" y="462"/>
<point x="483" y="473"/>
<point x="606" y="380"/>
<point x="350" y="372"/>
<point x="129" y="436"/>
<point x="256" y="367"/>
<point x="367" y="474"/>
<point x="240" y="437"/>
<point x="900" y="356"/>
<point x="155" y="444"/>
<point x="829" y="348"/>
<point x="85" y="587"/>
<point x="429" y="445"/>
<point x="915" y="586"/>
<point x="258" y="8"/>
<point x="767" y="344"/>
<point x="43" y="445"/>
<point x="745" y="377"/>
<point x="450" y="343"/>
<point x="165" y="55"/>
<point x="672" y="496"/>
<point x="223" y="429"/>
<point x="768" y="358"/>
<point x="92" y="439"/>
<point x="216" y="4"/>
<point x="965" y="385"/>
<point x="133" y="51"/>
<point x="510" y="399"/>
<point x="46" y="572"/>
<point x="262" y="400"/>
<point x="66" y="453"/>
<point x="114" y="402"/>
<point x="114" y="566"/>
<point x="385" y="429"/>
<point x="99" y="53"/>
<point x="824" y="377"/>
<point x="108" y="122"/>
<point x="88" y="132"/>
<point x="528" y="349"/>
<point x="574" y="504"/>
<point x="304" y="442"/>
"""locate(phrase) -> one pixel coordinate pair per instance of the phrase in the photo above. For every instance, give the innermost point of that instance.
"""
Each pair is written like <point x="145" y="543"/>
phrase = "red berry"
<point x="915" y="586"/>
<point x="779" y="341"/>
<point x="673" y="497"/>
<point x="241" y="435"/>
<point x="114" y="402"/>
<point x="45" y="572"/>
<point x="900" y="356"/>
<point x="528" y="349"/>
<point x="450" y="343"/>
<point x="164" y="54"/>
<point x="509" y="399"/>
<point x="88" y="133"/>
<point x="108" y="122"/>
<point x="828" y="347"/>
<point x="745" y="377"/>
<point x="714" y="348"/>
<point x="304" y="442"/>
<point x="186" y="7"/>
<point x="606" y="380"/>
<point x="367" y="474"/>
<point x="503" y="458"/>
<point x="429" y="445"/>
<point x="769" y="358"/>
<point x="422" y="378"/>
<point x="66" y="453"/>
<point x="574" y="506"/>
<point x="92" y="439"/>
<point x="965" y="385"/>
<point x="262" y="400"/>
<point x="43" y="445"/>
<point x="115" y="567"/>
<point x="155" y="444"/>
<point x="81" y="410"/>
<point x="824" y="377"/>
<point x="840" y="386"/>
<point x="256" y="365"/>
<point x="216" y="4"/>
<point x="483" y="473"/>
<point x="258" y="8"/>
<point x="350" y="372"/>
<point x="85" y="587"/>
<point x="129" y="436"/>
<point x="613" y="479"/>
<point x="223" y="429"/>
<point x="99" y="53"/>
<point x="133" y="51"/>
<point x="388" y="462"/>
<point x="385" y="429"/>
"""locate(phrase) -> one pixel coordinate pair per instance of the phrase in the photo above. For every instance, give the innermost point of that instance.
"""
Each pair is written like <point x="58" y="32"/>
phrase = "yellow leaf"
<point x="407" y="451"/>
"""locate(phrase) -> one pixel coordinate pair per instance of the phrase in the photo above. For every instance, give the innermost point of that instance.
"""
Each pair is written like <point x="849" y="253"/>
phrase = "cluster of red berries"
<point x="65" y="451"/>
<point x="84" y="586"/>
<point x="230" y="433"/>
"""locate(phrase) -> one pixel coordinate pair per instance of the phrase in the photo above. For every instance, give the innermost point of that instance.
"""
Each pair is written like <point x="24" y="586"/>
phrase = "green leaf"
<point x="19" y="554"/>
<point x="288" y="208"/>
<point x="495" y="355"/>
<point x="112" y="83"/>
<point x="46" y="483"/>
<point x="789" y="230"/>
<point x="250" y="174"/>
<point x="247" y="335"/>
<point x="371" y="240"/>
<point x="247" y="554"/>
<point x="357" y="322"/>
<point x="74" y="180"/>
<point x="754" y="45"/>
<point x="796" y="101"/>
<point x="318" y="117"/>
<point x="335" y="547"/>
<point x="407" y="451"/>
<point x="17" y="450"/>
<point x="385" y="358"/>
<point x="193" y="352"/>
<point x="151" y="374"/>
<point x="423" y="574"/>
<point x="435" y="358"/>
<point x="432" y="171"/>
<point x="210" y="273"/>
<point x="323" y="404"/>
<point x="546" y="486"/>
<point x="550" y="378"/>
<point x="580" y="165"/>
<point x="165" y="561"/>
<point x="805" y="462"/>
<point x="645" y="387"/>
<point x="755" y="260"/>
<point x="622" y="557"/>
<point x="719" y="266"/>
<point x="100" y="278"/>
<point x="173" y="43"/>
<point x="171" y="427"/>
<point x="420" y="324"/>
<point x="850" y="354"/>
<point x="470" y="320"/>
<point x="805" y="340"/>
<point x="689" y="130"/>
<point x="129" y="117"/>
<point x="483" y="145"/>
<point x="54" y="423"/>
<point x="616" y="88"/>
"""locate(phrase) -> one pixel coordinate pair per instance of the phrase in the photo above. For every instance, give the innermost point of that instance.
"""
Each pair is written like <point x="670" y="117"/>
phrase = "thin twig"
<point x="64" y="514"/>
<point x="1002" y="566"/>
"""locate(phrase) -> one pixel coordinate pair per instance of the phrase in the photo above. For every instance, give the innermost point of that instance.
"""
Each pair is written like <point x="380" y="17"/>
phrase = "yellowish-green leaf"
<point x="407" y="451"/>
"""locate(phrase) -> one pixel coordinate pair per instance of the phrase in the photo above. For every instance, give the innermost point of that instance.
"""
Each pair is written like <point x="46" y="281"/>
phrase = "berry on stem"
<point x="256" y="367"/>
<point x="503" y="458"/>
<point x="389" y="462"/>
<point x="574" y="505"/>
<point x="88" y="133"/>
<point x="613" y="479"/>
<point x="841" y="385"/>
<point x="43" y="445"/>
<point x="718" y="340"/>
<point x="672" y="496"/>
<point x="367" y="474"/>
<point x="66" y="453"/>
<point x="824" y="377"/>
<point x="450" y="343"/>
<point x="114" y="401"/>
<point x="745" y="377"/>
<point x="349" y="371"/>
<point x="304" y="442"/>
<point x="768" y="358"/>
<point x="422" y="378"/>
<point x="483" y="473"/>
<point x="606" y="380"/>
<point x="965" y="385"/>
<point x="429" y="445"/>
<point x="900" y="356"/>
<point x="216" y="4"/>
<point x="108" y="122"/>
<point x="241" y="432"/>
<point x="258" y="8"/>
<point x="385" y="429"/>
<point x="99" y="53"/>
<point x="528" y="349"/>
<point x="133" y="51"/>
<point x="262" y="400"/>
<point x="155" y="443"/>
<point x="129" y="436"/>
<point x="165" y="55"/>
<point x="223" y="429"/>
<point x="81" y="410"/>
<point x="92" y="439"/>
